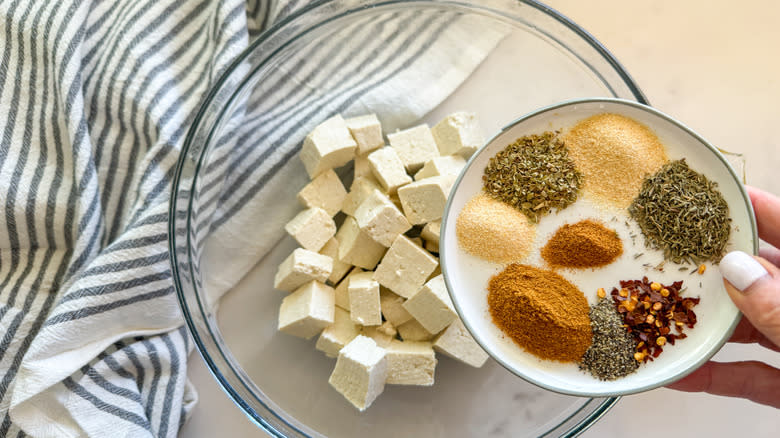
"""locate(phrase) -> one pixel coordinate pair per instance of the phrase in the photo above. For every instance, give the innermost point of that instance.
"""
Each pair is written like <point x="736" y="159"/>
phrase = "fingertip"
<point x="741" y="270"/>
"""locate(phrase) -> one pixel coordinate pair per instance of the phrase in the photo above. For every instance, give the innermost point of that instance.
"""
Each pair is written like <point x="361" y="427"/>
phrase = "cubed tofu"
<point x="338" y="334"/>
<point x="414" y="146"/>
<point x="324" y="191"/>
<point x="374" y="332"/>
<point x="311" y="228"/>
<point x="361" y="188"/>
<point x="392" y="307"/>
<point x="456" y="342"/>
<point x="356" y="247"/>
<point x="450" y="165"/>
<point x="431" y="231"/>
<point x="381" y="219"/>
<point x="308" y="310"/>
<point x="432" y="247"/>
<point x="342" y="291"/>
<point x="300" y="267"/>
<point x="431" y="305"/>
<point x="367" y="132"/>
<point x="412" y="330"/>
<point x="364" y="306"/>
<point x="388" y="169"/>
<point x="331" y="249"/>
<point x="424" y="200"/>
<point x="360" y="372"/>
<point x="328" y="146"/>
<point x="363" y="168"/>
<point x="410" y="363"/>
<point x="405" y="267"/>
<point x="417" y="241"/>
<point x="458" y="133"/>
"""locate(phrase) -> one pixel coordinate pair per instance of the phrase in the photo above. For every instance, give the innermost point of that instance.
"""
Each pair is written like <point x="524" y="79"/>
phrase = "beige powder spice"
<point x="494" y="231"/>
<point x="614" y="154"/>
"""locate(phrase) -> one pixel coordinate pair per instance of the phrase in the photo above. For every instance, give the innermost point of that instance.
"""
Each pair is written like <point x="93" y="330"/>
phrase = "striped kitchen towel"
<point x="96" y="97"/>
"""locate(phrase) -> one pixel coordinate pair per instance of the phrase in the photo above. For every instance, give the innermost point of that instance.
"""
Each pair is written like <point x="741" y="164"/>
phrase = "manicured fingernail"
<point x="741" y="269"/>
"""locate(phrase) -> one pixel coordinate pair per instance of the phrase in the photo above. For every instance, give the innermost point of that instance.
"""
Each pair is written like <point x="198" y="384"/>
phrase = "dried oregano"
<point x="534" y="174"/>
<point x="682" y="213"/>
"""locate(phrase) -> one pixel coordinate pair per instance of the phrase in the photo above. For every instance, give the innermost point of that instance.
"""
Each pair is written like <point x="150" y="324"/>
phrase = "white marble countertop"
<point x="711" y="64"/>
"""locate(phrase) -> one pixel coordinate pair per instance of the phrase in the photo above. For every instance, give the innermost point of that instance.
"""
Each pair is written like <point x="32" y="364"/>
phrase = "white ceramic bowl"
<point x="467" y="276"/>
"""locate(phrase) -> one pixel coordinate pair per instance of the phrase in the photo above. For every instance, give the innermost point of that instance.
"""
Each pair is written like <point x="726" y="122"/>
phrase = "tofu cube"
<point x="414" y="146"/>
<point x="356" y="247"/>
<point x="308" y="310"/>
<point x="388" y="169"/>
<point x="456" y="342"/>
<point x="329" y="145"/>
<point x="338" y="334"/>
<point x="311" y="228"/>
<point x="360" y="372"/>
<point x="301" y="267"/>
<point x="374" y="332"/>
<point x="450" y="165"/>
<point x="381" y="219"/>
<point x="432" y="247"/>
<point x="412" y="330"/>
<point x="405" y="267"/>
<point x="431" y="231"/>
<point x="431" y="306"/>
<point x="361" y="188"/>
<point x="417" y="241"/>
<point x="367" y="132"/>
<point x="324" y="191"/>
<point x="331" y="249"/>
<point x="458" y="133"/>
<point x="362" y="168"/>
<point x="392" y="307"/>
<point x="410" y="363"/>
<point x="342" y="291"/>
<point x="364" y="307"/>
<point x="424" y="200"/>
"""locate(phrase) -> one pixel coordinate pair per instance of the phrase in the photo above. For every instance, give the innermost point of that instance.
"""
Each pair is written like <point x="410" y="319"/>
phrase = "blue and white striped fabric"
<point x="95" y="99"/>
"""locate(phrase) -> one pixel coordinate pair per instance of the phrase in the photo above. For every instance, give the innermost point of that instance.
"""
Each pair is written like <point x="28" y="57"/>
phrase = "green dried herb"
<point x="682" y="213"/>
<point x="534" y="174"/>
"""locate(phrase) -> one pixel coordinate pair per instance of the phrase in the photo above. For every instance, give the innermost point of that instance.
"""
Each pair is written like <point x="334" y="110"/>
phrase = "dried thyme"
<point x="682" y="213"/>
<point x="534" y="174"/>
<point x="611" y="355"/>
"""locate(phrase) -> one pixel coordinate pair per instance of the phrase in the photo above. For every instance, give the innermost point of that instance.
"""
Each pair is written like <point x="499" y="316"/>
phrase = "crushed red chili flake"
<point x="650" y="324"/>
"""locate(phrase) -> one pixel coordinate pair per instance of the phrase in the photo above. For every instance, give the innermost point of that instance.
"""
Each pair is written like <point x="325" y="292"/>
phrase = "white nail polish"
<point x="741" y="270"/>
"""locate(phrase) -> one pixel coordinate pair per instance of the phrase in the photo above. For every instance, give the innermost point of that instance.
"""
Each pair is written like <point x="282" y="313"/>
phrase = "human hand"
<point x="753" y="283"/>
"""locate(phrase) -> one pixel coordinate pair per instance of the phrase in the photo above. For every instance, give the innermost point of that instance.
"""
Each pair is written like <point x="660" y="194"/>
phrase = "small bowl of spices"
<point x="580" y="247"/>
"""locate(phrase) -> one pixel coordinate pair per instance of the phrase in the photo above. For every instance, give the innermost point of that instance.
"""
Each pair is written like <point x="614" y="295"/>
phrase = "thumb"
<point x="754" y="285"/>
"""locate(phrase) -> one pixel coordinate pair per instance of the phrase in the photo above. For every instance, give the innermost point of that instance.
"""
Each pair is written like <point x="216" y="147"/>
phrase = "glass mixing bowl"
<point x="238" y="174"/>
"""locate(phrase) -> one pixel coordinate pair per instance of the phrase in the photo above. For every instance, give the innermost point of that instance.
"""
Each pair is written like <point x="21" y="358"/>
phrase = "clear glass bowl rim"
<point x="260" y="418"/>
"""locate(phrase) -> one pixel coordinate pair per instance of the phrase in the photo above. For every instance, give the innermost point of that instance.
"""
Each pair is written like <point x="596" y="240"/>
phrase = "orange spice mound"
<point x="585" y="244"/>
<point x="614" y="154"/>
<point x="541" y="311"/>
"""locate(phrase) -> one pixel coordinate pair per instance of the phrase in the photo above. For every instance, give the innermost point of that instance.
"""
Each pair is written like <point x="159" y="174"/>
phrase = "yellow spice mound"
<point x="494" y="231"/>
<point x="614" y="154"/>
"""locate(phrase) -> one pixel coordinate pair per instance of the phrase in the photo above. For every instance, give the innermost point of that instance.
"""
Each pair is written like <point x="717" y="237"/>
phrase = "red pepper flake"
<point x="667" y="310"/>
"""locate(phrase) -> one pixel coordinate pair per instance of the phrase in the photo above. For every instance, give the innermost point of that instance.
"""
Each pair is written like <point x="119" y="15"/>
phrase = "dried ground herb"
<point x="682" y="213"/>
<point x="534" y="174"/>
<point x="611" y="355"/>
<point x="650" y="311"/>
